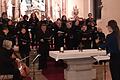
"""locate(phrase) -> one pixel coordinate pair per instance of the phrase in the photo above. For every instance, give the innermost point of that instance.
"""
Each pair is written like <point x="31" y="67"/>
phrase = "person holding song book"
<point x="43" y="37"/>
<point x="24" y="44"/>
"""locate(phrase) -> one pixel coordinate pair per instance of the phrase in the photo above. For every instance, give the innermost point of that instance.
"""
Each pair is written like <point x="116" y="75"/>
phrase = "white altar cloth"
<point x="102" y="58"/>
<point x="72" y="54"/>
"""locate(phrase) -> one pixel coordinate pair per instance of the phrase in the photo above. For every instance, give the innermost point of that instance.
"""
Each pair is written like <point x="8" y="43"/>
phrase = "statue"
<point x="75" y="11"/>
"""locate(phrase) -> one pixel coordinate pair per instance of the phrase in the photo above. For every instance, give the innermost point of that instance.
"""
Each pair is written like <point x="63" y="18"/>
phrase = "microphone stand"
<point x="33" y="62"/>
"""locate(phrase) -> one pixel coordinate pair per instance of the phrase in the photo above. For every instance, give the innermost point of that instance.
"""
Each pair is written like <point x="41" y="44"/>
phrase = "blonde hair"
<point x="7" y="44"/>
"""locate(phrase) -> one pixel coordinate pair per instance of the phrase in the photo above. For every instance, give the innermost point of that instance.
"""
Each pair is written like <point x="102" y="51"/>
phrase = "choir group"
<point x="44" y="35"/>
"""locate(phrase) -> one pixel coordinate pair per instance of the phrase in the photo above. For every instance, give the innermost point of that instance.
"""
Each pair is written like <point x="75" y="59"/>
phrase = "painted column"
<point x="13" y="9"/>
<point x="63" y="7"/>
<point x="4" y="6"/>
<point x="48" y="4"/>
<point x="46" y="8"/>
<point x="0" y="7"/>
<point x="51" y="8"/>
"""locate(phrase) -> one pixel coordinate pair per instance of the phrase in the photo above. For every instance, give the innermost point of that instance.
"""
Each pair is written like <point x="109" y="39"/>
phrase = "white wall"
<point x="84" y="6"/>
<point x="110" y="11"/>
<point x="71" y="3"/>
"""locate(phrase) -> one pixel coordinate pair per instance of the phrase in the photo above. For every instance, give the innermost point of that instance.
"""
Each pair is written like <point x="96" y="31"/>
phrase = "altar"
<point x="79" y="63"/>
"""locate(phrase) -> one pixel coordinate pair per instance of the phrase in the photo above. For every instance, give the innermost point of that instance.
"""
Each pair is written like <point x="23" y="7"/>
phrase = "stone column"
<point x="0" y="7"/>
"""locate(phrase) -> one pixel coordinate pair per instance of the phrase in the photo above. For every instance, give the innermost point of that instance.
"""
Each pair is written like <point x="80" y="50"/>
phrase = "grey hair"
<point x="7" y="44"/>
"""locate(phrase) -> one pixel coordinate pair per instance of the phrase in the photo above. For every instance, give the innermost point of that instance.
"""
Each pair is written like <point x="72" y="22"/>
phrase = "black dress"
<point x="24" y="46"/>
<point x="43" y="50"/>
<point x="59" y="35"/>
<point x="77" y="34"/>
<point x="113" y="49"/>
<point x="33" y="26"/>
<point x="86" y="39"/>
<point x="69" y="38"/>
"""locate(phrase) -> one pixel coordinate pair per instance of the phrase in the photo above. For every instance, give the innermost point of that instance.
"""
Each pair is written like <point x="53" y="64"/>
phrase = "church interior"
<point x="56" y="39"/>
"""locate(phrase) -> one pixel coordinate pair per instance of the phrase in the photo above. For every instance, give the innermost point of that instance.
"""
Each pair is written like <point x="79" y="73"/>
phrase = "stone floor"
<point x="102" y="72"/>
<point x="38" y="74"/>
<point x="35" y="74"/>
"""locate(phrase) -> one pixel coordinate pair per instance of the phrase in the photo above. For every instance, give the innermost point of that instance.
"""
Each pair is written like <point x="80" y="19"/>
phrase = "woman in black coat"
<point x="24" y="44"/>
<point x="69" y="37"/>
<point x="85" y="38"/>
<point x="5" y="34"/>
<point x="113" y="47"/>
<point x="33" y="21"/>
<point x="76" y="33"/>
<point x="43" y="37"/>
<point x="59" y="34"/>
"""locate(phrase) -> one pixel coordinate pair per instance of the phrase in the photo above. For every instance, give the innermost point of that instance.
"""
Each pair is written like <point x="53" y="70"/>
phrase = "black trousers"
<point x="33" y="33"/>
<point x="115" y="69"/>
<point x="24" y="52"/>
<point x="44" y="52"/>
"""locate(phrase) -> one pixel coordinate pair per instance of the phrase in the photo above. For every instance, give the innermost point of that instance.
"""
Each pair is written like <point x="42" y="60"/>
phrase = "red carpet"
<point x="54" y="71"/>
